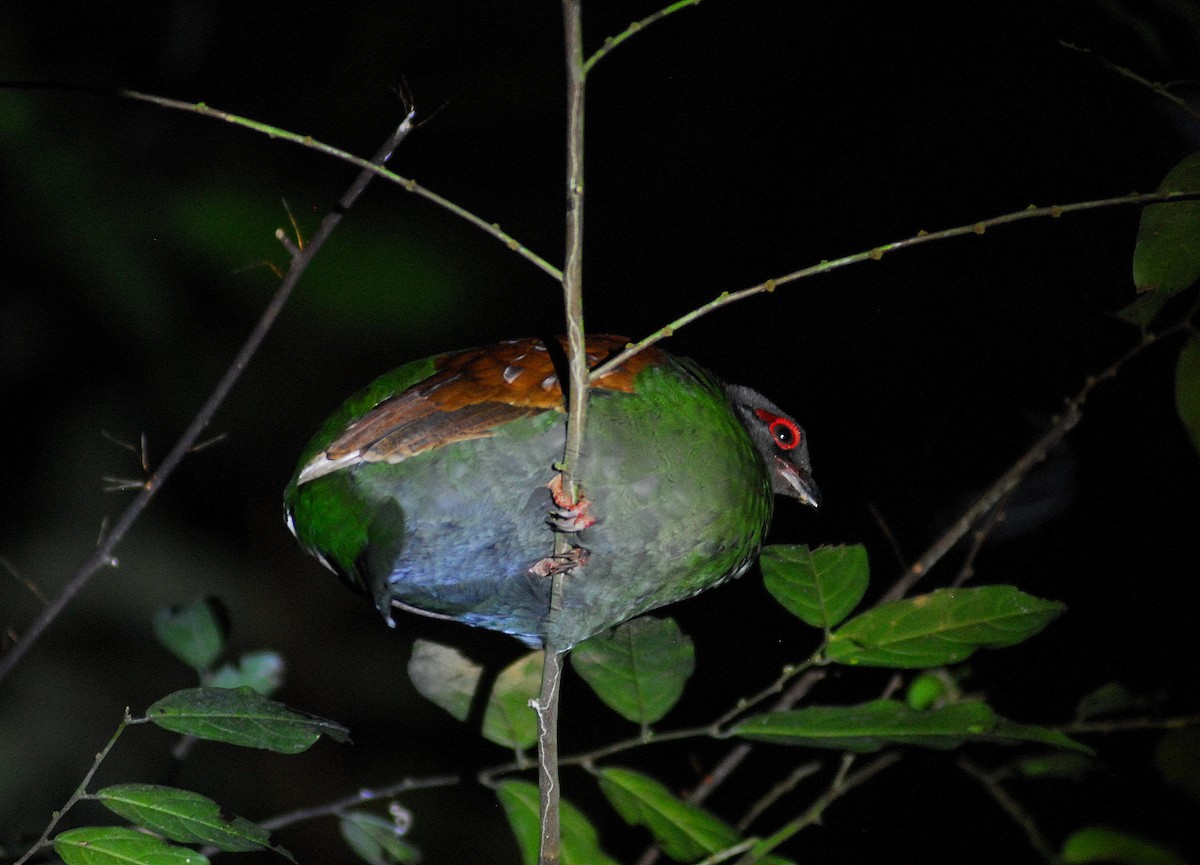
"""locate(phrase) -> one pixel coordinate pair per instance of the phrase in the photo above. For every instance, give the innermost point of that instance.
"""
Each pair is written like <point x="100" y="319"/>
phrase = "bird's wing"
<point x="470" y="394"/>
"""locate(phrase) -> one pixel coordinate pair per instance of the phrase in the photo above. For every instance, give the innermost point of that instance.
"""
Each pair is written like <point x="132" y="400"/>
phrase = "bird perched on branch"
<point x="434" y="489"/>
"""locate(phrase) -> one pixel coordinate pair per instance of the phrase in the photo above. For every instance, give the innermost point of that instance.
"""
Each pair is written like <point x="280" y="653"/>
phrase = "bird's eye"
<point x="785" y="431"/>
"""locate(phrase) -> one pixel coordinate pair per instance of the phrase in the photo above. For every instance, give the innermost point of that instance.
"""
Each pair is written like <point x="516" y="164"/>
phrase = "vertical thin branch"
<point x="577" y="390"/>
<point x="573" y="260"/>
<point x="103" y="554"/>
<point x="546" y="707"/>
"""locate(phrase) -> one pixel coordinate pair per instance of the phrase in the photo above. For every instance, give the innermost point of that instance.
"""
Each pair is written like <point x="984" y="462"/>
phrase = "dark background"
<point x="732" y="142"/>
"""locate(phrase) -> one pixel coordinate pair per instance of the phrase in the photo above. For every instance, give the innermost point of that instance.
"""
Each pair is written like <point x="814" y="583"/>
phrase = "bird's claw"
<point x="567" y="515"/>
<point x="552" y="565"/>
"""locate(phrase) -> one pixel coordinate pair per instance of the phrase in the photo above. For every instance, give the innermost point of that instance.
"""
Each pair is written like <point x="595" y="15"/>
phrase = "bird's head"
<point x="780" y="440"/>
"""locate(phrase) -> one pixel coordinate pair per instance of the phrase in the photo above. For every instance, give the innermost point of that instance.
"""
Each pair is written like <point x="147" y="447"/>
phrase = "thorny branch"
<point x="103" y="554"/>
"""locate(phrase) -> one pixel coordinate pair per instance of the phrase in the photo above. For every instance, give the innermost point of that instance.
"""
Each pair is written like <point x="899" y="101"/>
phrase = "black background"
<point x="729" y="143"/>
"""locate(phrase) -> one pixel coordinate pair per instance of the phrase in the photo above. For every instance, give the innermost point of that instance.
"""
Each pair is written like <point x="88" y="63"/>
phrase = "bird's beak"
<point x="798" y="484"/>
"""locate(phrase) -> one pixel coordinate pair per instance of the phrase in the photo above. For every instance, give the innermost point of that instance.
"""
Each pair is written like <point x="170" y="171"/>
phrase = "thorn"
<point x="199" y="446"/>
<point x="28" y="583"/>
<point x="116" y="485"/>
<point x="299" y="244"/>
<point x="286" y="243"/>
<point x="141" y="451"/>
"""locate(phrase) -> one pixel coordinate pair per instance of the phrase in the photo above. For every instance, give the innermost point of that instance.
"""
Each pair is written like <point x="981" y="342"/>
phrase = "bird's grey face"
<point x="780" y="440"/>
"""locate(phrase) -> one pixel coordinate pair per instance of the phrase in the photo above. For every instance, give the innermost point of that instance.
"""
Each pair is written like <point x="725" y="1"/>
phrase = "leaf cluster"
<point x="640" y="670"/>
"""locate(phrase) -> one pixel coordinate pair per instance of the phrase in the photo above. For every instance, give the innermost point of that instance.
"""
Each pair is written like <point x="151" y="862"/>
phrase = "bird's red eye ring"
<point x="785" y="431"/>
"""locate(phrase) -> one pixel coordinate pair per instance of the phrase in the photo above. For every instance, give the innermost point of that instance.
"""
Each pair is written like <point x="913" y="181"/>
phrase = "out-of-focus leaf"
<point x="943" y="627"/>
<point x="820" y="586"/>
<point x="1187" y="390"/>
<point x="370" y="276"/>
<point x="580" y="844"/>
<point x="1166" y="257"/>
<point x="1108" y="698"/>
<point x="185" y="817"/>
<point x="262" y="671"/>
<point x="376" y="839"/>
<point x="193" y="632"/>
<point x="1057" y="765"/>
<point x="444" y="676"/>
<point x="242" y="717"/>
<point x="120" y="845"/>
<point x="508" y="719"/>
<point x="925" y="690"/>
<point x="1177" y="758"/>
<point x="870" y="726"/>
<point x="1144" y="308"/>
<point x="1100" y="844"/>
<point x="639" y="669"/>
<point x="448" y="678"/>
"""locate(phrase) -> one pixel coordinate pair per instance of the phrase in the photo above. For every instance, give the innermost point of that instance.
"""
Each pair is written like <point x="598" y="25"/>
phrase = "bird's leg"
<point x="552" y="565"/>
<point x="567" y="515"/>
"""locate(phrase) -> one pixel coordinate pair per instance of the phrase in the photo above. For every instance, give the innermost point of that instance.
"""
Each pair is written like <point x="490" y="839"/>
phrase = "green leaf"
<point x="1108" y="698"/>
<point x="926" y="690"/>
<point x="684" y="831"/>
<point x="242" y="717"/>
<point x="1177" y="758"/>
<point x="820" y="586"/>
<point x="871" y="726"/>
<point x="943" y="627"/>
<point x="1144" y="308"/>
<point x="262" y="671"/>
<point x="448" y="678"/>
<point x="1187" y="390"/>
<point x="580" y="844"/>
<point x="444" y="676"/>
<point x="639" y="669"/>
<point x="508" y="719"/>
<point x="119" y="845"/>
<point x="521" y="805"/>
<point x="1166" y="257"/>
<point x="1055" y="765"/>
<point x="376" y="839"/>
<point x="1099" y="844"/>
<point x="184" y="816"/>
<point x="194" y="632"/>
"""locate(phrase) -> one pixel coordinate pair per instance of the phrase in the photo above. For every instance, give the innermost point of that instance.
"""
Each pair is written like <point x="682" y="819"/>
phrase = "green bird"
<point x="434" y="489"/>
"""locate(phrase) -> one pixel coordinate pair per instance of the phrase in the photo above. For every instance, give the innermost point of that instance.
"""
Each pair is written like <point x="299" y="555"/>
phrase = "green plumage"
<point x="681" y="493"/>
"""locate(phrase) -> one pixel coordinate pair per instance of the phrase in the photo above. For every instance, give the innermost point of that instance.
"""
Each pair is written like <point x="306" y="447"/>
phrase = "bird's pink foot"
<point x="552" y="565"/>
<point x="568" y="516"/>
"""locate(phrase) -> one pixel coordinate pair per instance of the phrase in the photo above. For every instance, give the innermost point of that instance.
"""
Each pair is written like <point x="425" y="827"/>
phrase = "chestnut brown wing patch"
<point x="471" y="393"/>
<point x="406" y="425"/>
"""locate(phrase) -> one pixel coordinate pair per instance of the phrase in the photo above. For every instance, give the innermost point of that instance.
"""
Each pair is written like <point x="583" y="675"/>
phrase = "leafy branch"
<point x="868" y="639"/>
<point x="166" y="817"/>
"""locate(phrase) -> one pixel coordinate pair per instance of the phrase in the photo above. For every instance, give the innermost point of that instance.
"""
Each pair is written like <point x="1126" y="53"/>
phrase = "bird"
<point x="436" y="489"/>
